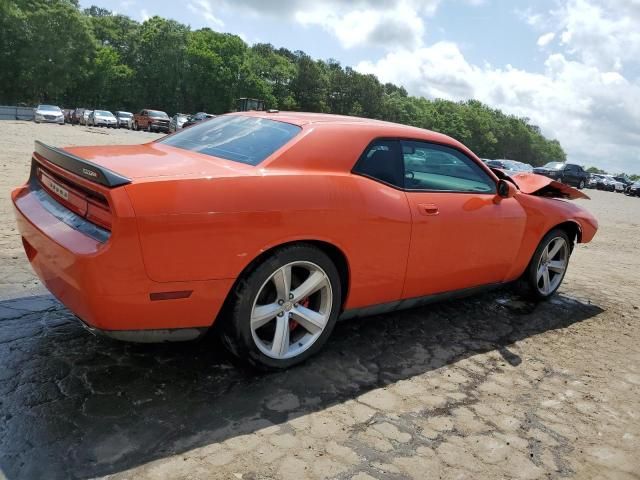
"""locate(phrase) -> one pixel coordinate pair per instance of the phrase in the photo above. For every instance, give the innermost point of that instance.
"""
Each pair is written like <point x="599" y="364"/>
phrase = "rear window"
<point x="233" y="137"/>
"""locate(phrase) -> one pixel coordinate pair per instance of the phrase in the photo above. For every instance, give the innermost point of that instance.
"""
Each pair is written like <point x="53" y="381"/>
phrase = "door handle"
<point x="428" y="209"/>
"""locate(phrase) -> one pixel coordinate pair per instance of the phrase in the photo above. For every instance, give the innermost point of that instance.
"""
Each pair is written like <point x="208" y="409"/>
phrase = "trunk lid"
<point x="151" y="160"/>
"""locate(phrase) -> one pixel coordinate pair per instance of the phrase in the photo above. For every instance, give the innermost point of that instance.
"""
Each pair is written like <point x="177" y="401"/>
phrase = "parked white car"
<point x="124" y="119"/>
<point x="102" y="118"/>
<point x="48" y="114"/>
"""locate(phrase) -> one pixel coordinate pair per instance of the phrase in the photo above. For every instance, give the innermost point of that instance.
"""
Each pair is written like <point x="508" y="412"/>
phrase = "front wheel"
<point x="548" y="265"/>
<point x="284" y="310"/>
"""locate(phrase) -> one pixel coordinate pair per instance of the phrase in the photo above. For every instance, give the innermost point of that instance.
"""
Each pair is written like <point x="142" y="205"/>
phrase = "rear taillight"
<point x="99" y="214"/>
<point x="90" y="205"/>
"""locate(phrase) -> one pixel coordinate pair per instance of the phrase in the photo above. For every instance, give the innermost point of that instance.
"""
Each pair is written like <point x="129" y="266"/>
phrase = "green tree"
<point x="309" y="88"/>
<point x="52" y="50"/>
<point x="214" y="70"/>
<point x="160" y="64"/>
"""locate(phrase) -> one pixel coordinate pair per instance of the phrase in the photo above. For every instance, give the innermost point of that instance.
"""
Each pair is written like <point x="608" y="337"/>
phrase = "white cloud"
<point x="594" y="113"/>
<point x="605" y="33"/>
<point x="382" y="23"/>
<point x="204" y="9"/>
<point x="144" y="15"/>
<point x="398" y="26"/>
<point x="546" y="39"/>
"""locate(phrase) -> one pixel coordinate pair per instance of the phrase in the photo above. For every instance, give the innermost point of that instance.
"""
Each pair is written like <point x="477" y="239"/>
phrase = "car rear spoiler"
<point x="81" y="167"/>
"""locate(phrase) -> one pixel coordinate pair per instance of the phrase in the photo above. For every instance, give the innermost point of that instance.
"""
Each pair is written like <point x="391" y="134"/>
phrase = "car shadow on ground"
<point x="77" y="406"/>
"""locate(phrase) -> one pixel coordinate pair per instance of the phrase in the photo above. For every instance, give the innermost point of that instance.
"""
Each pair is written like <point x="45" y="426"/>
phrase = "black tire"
<point x="236" y="333"/>
<point x="581" y="185"/>
<point x="528" y="283"/>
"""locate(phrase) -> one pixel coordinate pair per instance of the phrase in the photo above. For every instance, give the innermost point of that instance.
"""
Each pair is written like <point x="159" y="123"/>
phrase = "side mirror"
<point x="506" y="189"/>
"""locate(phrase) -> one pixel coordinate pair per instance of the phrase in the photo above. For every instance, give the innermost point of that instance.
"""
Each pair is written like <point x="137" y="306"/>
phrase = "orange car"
<point x="276" y="224"/>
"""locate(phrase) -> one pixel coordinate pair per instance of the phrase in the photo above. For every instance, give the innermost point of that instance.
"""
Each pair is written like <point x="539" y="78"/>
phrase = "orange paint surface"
<point x="192" y="222"/>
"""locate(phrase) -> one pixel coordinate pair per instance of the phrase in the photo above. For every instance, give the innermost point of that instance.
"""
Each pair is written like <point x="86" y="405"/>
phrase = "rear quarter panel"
<point x="212" y="228"/>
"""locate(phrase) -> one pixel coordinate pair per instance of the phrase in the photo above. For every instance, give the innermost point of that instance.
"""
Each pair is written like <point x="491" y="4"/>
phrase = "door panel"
<point x="463" y="234"/>
<point x="471" y="241"/>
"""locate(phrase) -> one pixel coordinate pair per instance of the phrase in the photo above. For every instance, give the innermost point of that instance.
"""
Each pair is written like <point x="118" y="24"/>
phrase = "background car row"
<point x="159" y="121"/>
<point x="147" y="119"/>
<point x="571" y="174"/>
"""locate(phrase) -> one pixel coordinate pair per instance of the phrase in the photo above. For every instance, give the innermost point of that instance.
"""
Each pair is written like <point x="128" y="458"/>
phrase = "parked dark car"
<point x="633" y="189"/>
<point x="68" y="114"/>
<point x="198" y="117"/>
<point x="76" y="116"/>
<point x="510" y="165"/>
<point x="605" y="183"/>
<point x="151" y="121"/>
<point x="568" y="173"/>
<point x="624" y="180"/>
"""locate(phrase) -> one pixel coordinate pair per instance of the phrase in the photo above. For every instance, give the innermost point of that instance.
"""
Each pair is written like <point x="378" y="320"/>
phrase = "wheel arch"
<point x="336" y="254"/>
<point x="572" y="228"/>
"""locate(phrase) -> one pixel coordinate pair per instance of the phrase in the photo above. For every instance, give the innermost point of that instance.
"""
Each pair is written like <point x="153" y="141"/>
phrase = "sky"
<point x="571" y="66"/>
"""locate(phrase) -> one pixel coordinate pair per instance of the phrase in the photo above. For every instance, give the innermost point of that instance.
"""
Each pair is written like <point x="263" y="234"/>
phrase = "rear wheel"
<point x="284" y="310"/>
<point x="548" y="266"/>
<point x="581" y="185"/>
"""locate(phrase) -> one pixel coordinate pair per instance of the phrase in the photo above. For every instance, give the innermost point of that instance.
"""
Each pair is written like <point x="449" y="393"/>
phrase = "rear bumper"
<point x="148" y="336"/>
<point x="105" y="284"/>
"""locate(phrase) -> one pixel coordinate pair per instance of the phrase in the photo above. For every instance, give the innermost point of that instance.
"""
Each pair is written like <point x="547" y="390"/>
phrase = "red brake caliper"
<point x="292" y="323"/>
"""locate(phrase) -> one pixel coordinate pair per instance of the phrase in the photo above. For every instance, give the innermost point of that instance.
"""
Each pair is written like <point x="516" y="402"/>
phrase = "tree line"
<point x="53" y="51"/>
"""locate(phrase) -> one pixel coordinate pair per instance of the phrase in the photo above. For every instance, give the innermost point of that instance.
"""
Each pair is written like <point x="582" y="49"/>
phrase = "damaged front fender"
<point x="534" y="184"/>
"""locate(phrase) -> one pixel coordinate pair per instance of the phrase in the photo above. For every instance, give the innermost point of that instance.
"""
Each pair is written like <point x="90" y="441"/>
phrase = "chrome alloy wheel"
<point x="291" y="310"/>
<point x="552" y="265"/>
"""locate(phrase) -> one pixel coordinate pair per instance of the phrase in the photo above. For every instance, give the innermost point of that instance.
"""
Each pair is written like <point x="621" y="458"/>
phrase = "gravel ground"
<point x="486" y="387"/>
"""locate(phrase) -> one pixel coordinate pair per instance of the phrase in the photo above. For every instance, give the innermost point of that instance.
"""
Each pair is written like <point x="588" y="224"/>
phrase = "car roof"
<point x="305" y="118"/>
<point x="379" y="128"/>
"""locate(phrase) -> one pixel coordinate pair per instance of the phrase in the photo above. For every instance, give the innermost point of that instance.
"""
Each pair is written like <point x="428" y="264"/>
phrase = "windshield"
<point x="233" y="137"/>
<point x="125" y="114"/>
<point x="554" y="165"/>
<point x="103" y="113"/>
<point x="157" y="114"/>
<point x="49" y="108"/>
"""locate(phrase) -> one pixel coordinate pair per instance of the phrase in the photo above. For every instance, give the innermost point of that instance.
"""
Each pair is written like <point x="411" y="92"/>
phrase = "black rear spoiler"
<point x="79" y="166"/>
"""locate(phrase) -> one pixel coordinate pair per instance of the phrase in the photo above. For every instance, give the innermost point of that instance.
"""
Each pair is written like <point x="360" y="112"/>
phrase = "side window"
<point x="438" y="168"/>
<point x="381" y="161"/>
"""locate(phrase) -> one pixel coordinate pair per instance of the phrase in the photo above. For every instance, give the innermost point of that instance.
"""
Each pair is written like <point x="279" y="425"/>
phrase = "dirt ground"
<point x="486" y="387"/>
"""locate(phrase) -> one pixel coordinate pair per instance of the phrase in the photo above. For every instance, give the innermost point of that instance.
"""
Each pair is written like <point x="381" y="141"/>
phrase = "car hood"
<point x="533" y="184"/>
<point x="151" y="160"/>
